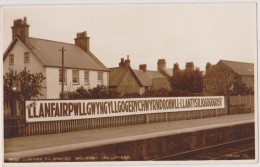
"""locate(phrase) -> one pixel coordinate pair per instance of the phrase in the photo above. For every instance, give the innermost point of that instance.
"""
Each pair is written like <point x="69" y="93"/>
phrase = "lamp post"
<point x="62" y="72"/>
<point x="15" y="88"/>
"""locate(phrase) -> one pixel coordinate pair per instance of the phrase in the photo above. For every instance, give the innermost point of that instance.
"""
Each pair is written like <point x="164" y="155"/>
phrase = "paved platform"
<point x="48" y="144"/>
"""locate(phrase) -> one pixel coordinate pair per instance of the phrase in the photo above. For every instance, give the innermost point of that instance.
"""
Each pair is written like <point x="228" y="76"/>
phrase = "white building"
<point x="82" y="68"/>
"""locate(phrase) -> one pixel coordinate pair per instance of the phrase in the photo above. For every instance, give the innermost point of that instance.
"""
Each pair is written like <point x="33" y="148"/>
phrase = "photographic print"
<point x="159" y="83"/>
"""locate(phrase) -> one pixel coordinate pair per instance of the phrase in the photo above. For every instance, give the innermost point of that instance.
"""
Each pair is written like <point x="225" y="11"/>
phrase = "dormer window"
<point x="27" y="57"/>
<point x="11" y="59"/>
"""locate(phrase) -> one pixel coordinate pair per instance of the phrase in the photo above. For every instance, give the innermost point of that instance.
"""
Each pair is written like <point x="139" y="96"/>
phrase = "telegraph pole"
<point x="62" y="73"/>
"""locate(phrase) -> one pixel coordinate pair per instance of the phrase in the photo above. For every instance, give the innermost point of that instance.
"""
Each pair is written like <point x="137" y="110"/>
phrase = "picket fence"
<point x="238" y="105"/>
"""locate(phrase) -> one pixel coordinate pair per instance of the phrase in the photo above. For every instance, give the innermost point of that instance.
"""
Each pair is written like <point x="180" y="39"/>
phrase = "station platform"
<point x="31" y="146"/>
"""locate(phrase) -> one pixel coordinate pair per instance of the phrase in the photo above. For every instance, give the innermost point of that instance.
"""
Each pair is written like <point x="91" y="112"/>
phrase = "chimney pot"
<point x="127" y="61"/>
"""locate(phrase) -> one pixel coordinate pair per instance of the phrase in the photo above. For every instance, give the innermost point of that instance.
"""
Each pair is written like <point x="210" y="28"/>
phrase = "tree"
<point x="186" y="82"/>
<point x="240" y="88"/>
<point x="31" y="84"/>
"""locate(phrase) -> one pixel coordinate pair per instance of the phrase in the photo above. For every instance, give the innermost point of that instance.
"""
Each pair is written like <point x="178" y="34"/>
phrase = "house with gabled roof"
<point x="126" y="80"/>
<point x="220" y="78"/>
<point x="82" y="67"/>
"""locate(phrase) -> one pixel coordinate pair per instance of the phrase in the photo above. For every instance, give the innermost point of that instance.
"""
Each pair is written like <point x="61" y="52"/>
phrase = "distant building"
<point x="220" y="77"/>
<point x="82" y="68"/>
<point x="161" y="67"/>
<point x="126" y="80"/>
<point x="169" y="72"/>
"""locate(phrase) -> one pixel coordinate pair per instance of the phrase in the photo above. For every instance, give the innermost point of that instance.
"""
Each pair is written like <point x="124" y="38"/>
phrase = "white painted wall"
<point x="54" y="87"/>
<point x="18" y="50"/>
<point x="34" y="66"/>
<point x="52" y="80"/>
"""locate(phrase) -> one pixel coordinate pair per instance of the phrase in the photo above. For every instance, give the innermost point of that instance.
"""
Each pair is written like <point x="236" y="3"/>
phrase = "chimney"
<point x="189" y="66"/>
<point x="127" y="61"/>
<point x="82" y="41"/>
<point x="143" y="67"/>
<point x="176" y="67"/>
<point x="208" y="67"/>
<point x="161" y="65"/>
<point x="21" y="29"/>
<point x="122" y="63"/>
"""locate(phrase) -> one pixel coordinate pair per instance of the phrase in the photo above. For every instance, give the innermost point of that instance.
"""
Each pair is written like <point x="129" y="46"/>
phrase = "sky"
<point x="178" y="33"/>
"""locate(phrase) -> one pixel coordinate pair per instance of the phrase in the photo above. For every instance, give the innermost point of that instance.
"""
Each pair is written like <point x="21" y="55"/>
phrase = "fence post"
<point x="250" y="103"/>
<point x="147" y="118"/>
<point x="228" y="104"/>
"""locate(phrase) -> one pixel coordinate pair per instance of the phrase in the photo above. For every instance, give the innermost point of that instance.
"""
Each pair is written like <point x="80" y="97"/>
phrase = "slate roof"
<point x="116" y="75"/>
<point x="48" y="54"/>
<point x="240" y="68"/>
<point x="146" y="77"/>
<point x="169" y="71"/>
<point x="143" y="78"/>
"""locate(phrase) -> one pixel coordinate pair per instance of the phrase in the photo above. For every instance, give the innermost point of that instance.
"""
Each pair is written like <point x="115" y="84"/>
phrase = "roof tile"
<point x="74" y="57"/>
<point x="240" y="68"/>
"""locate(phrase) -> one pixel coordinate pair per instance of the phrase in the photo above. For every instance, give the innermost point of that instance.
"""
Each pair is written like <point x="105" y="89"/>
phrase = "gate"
<point x="13" y="126"/>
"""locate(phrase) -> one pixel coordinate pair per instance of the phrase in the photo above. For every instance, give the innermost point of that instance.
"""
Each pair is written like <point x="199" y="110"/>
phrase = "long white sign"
<point x="54" y="110"/>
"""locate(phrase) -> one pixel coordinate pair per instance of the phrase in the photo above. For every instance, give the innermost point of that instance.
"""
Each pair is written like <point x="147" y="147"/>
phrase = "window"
<point x="75" y="76"/>
<point x="27" y="57"/>
<point x="100" y="78"/>
<point x="64" y="76"/>
<point x="86" y="77"/>
<point x="11" y="59"/>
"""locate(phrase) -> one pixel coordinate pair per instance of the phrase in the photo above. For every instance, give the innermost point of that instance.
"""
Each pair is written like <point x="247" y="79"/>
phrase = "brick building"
<point x="220" y="78"/>
<point x="126" y="80"/>
<point x="82" y="68"/>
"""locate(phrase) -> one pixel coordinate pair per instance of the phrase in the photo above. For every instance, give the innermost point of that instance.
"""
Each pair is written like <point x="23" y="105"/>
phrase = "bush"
<point x="100" y="92"/>
<point x="161" y="92"/>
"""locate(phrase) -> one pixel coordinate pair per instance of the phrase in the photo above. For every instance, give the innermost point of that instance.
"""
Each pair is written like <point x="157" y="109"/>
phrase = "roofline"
<point x="132" y="72"/>
<point x="122" y="77"/>
<point x="52" y="41"/>
<point x="237" y="61"/>
<point x="88" y="52"/>
<point x="76" y="68"/>
<point x="10" y="46"/>
<point x="139" y="82"/>
<point x="95" y="58"/>
<point x="234" y="70"/>
<point x="26" y="45"/>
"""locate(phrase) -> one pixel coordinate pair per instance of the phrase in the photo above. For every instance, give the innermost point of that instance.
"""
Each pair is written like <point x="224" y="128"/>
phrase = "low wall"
<point x="148" y="149"/>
